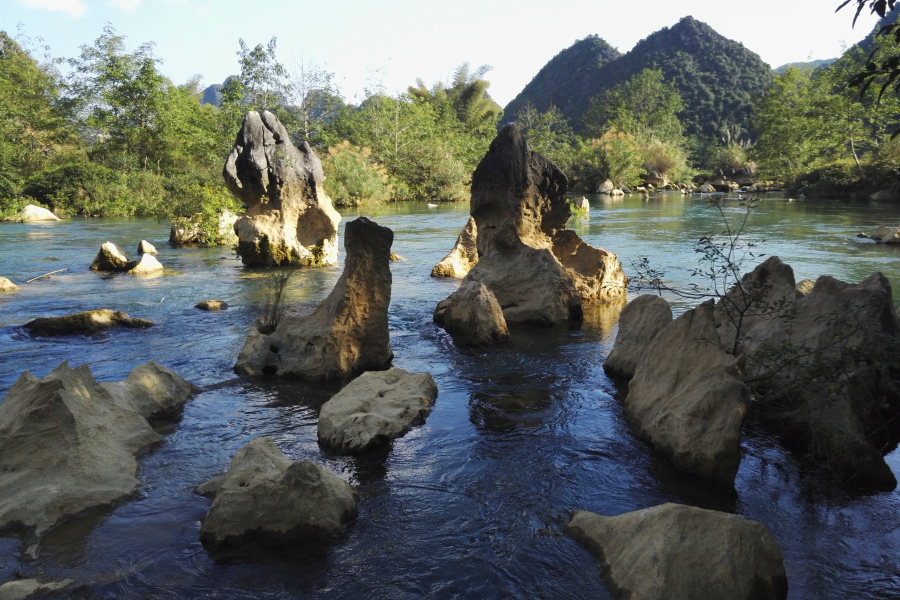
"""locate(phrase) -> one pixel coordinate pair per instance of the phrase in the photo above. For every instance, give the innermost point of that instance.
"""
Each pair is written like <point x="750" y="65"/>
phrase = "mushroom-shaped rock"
<point x="348" y="332"/>
<point x="676" y="552"/>
<point x="84" y="323"/>
<point x="688" y="399"/>
<point x="151" y="390"/>
<point x="65" y="446"/>
<point x="7" y="286"/>
<point x="462" y="257"/>
<point x="32" y="214"/>
<point x="211" y="305"/>
<point x="111" y="258"/>
<point x="472" y="316"/>
<point x="639" y="322"/>
<point x="374" y="408"/>
<point x="290" y="218"/>
<point x="146" y="247"/>
<point x="145" y="265"/>
<point x="267" y="498"/>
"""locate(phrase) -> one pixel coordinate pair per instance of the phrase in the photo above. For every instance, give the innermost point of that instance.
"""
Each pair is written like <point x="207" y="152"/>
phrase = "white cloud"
<point x="75" y="8"/>
<point x="126" y="5"/>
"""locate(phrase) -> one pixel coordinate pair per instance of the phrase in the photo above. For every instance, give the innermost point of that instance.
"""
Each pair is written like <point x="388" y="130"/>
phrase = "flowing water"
<point x="473" y="503"/>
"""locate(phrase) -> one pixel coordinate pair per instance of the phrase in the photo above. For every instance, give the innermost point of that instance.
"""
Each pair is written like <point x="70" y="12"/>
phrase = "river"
<point x="472" y="504"/>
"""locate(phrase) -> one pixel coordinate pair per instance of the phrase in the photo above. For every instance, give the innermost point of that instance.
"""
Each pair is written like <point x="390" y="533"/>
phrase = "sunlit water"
<point x="473" y="503"/>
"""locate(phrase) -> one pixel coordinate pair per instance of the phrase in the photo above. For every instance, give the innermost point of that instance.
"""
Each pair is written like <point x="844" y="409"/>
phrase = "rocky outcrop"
<point x="269" y="499"/>
<point x="534" y="267"/>
<point x="68" y="443"/>
<point x="146" y="247"/>
<point x="688" y="399"/>
<point x="33" y="214"/>
<point x="289" y="218"/>
<point x="462" y="257"/>
<point x="111" y="258"/>
<point x="374" y="408"/>
<point x="188" y="231"/>
<point x="472" y="316"/>
<point x="639" y="322"/>
<point x="886" y="235"/>
<point x="348" y="332"/>
<point x="7" y="286"/>
<point x="674" y="551"/>
<point x="211" y="305"/>
<point x="151" y="390"/>
<point x="145" y="265"/>
<point x="84" y="323"/>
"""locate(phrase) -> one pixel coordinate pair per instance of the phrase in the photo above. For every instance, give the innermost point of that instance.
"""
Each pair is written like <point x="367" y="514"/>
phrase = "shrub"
<point x="664" y="158"/>
<point x="353" y="178"/>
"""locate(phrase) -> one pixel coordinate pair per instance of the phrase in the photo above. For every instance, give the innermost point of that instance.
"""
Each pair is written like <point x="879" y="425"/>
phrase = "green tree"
<point x="548" y="133"/>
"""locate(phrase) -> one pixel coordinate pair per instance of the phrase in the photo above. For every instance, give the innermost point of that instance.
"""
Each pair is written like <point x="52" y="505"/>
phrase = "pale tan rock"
<point x="462" y="257"/>
<point x="84" y="323"/>
<point x="396" y="257"/>
<point x="211" y="305"/>
<point x="639" y="322"/>
<point x="676" y="552"/>
<point x="28" y="589"/>
<point x="290" y="219"/>
<point x="597" y="274"/>
<point x="688" y="399"/>
<point x="374" y="408"/>
<point x="472" y="316"/>
<point x="265" y="497"/>
<point x="606" y="187"/>
<point x="348" y="332"/>
<point x="111" y="258"/>
<point x="33" y="214"/>
<point x="145" y="265"/>
<point x="150" y="390"/>
<point x="707" y="188"/>
<point x="7" y="286"/>
<point x="146" y="247"/>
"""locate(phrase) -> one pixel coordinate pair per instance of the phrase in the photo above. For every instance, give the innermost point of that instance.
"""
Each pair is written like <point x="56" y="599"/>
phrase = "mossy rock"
<point x="84" y="323"/>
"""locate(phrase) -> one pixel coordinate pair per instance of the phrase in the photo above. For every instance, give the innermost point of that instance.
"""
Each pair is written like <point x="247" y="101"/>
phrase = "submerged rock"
<point x="7" y="286"/>
<point x="211" y="305"/>
<point x="84" y="323"/>
<point x="374" y="408"/>
<point x="462" y="257"/>
<point x="146" y="247"/>
<point x="348" y="332"/>
<point x="32" y="214"/>
<point x="688" y="399"/>
<point x="673" y="551"/>
<point x="68" y="443"/>
<point x="289" y="219"/>
<point x="639" y="322"/>
<point x="472" y="316"/>
<point x="146" y="264"/>
<point x="269" y="499"/>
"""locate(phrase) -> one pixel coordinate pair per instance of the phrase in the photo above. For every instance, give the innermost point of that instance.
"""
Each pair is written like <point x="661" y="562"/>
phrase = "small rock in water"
<point x="146" y="264"/>
<point x="396" y="257"/>
<point x="146" y="247"/>
<point x="462" y="257"/>
<point x="267" y="498"/>
<point x="84" y="323"/>
<point x="374" y="408"/>
<point x="111" y="258"/>
<point x="472" y="316"/>
<point x="7" y="286"/>
<point x="212" y="305"/>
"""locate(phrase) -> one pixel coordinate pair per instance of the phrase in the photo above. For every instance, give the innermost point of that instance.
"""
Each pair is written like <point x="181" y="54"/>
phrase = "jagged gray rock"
<point x="674" y="552"/>
<point x="289" y="219"/>
<point x="472" y="316"/>
<point x="639" y="322"/>
<point x="267" y="498"/>
<point x="374" y="408"/>
<point x="462" y="257"/>
<point x="348" y="332"/>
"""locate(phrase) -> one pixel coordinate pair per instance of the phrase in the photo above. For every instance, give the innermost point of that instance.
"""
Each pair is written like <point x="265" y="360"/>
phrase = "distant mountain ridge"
<point x="717" y="77"/>
<point x="810" y="64"/>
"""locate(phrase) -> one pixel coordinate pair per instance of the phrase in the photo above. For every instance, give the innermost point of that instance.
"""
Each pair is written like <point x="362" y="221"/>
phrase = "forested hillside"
<point x="716" y="77"/>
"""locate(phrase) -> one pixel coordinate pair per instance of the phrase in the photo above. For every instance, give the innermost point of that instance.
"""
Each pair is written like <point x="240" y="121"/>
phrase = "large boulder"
<point x="84" y="323"/>
<point x="462" y="257"/>
<point x="348" y="332"/>
<point x="32" y="214"/>
<point x="820" y="364"/>
<point x="688" y="399"/>
<point x="289" y="219"/>
<point x="374" y="408"/>
<point x="7" y="286"/>
<point x="151" y="390"/>
<point x="266" y="498"/>
<point x="145" y="265"/>
<point x="68" y="444"/>
<point x="676" y="552"/>
<point x="472" y="316"/>
<point x="639" y="322"/>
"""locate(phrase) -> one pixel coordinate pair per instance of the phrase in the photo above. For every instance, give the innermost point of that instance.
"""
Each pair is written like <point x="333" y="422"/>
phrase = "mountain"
<point x="212" y="95"/>
<point x="811" y="64"/>
<point x="717" y="77"/>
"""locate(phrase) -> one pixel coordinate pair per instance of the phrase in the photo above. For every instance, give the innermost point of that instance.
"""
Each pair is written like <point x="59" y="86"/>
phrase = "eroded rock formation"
<point x="472" y="316"/>
<point x="374" y="408"/>
<point x="639" y="322"/>
<point x="289" y="218"/>
<point x="68" y="443"/>
<point x="265" y="497"/>
<point x="675" y="551"/>
<point x="348" y="332"/>
<point x="462" y="257"/>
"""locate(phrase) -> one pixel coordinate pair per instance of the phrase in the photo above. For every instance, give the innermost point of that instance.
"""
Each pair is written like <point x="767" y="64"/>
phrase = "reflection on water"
<point x="472" y="503"/>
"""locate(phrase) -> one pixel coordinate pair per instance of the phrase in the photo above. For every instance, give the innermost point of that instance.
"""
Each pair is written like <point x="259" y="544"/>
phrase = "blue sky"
<point x="396" y="41"/>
